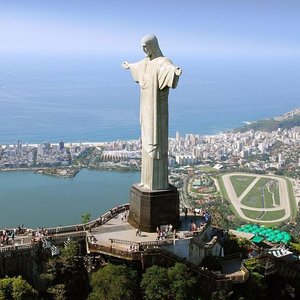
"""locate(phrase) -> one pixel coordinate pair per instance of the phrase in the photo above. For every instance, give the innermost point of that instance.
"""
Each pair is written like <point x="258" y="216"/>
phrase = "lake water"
<point x="38" y="200"/>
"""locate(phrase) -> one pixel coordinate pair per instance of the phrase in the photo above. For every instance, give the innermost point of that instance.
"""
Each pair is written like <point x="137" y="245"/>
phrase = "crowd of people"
<point x="7" y="236"/>
<point x="165" y="231"/>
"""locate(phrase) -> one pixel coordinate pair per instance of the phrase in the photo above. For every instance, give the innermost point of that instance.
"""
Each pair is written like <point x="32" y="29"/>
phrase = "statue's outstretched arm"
<point x="178" y="71"/>
<point x="125" y="65"/>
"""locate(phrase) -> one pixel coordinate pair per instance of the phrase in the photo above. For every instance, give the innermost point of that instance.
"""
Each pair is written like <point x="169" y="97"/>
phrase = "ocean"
<point x="91" y="98"/>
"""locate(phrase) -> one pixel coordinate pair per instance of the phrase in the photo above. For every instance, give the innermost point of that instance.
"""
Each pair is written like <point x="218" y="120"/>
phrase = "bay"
<point x="37" y="200"/>
<point x="91" y="98"/>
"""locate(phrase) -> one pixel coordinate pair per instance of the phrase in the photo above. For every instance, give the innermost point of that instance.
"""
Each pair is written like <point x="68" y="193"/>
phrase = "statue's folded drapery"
<point x="155" y="77"/>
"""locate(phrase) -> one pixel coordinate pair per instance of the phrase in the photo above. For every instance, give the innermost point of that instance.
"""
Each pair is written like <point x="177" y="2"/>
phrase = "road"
<point x="236" y="201"/>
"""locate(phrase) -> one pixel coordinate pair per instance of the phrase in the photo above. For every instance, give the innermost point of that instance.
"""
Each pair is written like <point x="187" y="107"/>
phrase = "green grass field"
<point x="273" y="215"/>
<point x="274" y="189"/>
<point x="207" y="169"/>
<point x="240" y="183"/>
<point x="254" y="197"/>
<point x="252" y="214"/>
<point x="264" y="215"/>
<point x="225" y="196"/>
<point x="271" y="193"/>
<point x="293" y="205"/>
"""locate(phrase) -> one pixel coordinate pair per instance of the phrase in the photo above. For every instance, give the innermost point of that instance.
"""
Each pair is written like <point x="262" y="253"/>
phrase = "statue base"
<point x="149" y="209"/>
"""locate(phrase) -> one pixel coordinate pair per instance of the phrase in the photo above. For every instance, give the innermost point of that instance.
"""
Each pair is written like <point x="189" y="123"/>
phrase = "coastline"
<point x="284" y="116"/>
<point x="69" y="172"/>
<point x="57" y="172"/>
<point x="67" y="144"/>
<point x="66" y="166"/>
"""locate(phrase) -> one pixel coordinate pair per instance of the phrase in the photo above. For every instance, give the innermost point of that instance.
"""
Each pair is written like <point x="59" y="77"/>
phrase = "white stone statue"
<point x="155" y="74"/>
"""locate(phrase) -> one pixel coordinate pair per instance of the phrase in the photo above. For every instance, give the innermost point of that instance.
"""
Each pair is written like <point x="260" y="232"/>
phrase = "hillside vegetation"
<point x="271" y="124"/>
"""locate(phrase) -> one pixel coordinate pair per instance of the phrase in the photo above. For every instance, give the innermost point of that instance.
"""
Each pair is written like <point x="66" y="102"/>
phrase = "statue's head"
<point x="151" y="47"/>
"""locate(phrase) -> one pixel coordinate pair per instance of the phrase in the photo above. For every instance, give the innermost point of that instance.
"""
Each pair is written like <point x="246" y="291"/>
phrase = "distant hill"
<point x="286" y="121"/>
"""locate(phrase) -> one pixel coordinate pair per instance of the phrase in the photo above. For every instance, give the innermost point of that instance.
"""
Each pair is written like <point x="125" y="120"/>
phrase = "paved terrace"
<point x="109" y="230"/>
<point x="29" y="237"/>
<point x="115" y="236"/>
<point x="119" y="234"/>
<point x="119" y="239"/>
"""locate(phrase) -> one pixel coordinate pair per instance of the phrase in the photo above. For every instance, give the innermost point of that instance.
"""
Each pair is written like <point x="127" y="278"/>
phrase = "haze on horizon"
<point x="262" y="28"/>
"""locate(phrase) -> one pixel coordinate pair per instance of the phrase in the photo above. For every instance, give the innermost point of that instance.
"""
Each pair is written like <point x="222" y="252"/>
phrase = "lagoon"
<point x="36" y="200"/>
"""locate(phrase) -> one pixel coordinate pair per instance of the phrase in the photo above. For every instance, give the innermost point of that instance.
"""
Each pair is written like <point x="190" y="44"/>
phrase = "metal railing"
<point x="87" y="226"/>
<point x="17" y="247"/>
<point x="60" y="232"/>
<point x="125" y="254"/>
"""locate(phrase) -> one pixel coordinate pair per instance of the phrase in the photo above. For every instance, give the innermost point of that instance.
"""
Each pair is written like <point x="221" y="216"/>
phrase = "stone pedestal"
<point x="151" y="208"/>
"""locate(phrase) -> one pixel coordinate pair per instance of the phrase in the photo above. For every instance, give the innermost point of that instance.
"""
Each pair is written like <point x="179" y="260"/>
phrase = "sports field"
<point x="240" y="183"/>
<point x="264" y="194"/>
<point x="259" y="198"/>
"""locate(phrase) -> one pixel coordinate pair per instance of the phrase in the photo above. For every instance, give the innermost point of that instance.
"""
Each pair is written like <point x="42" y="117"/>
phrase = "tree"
<point x="236" y="245"/>
<point x="182" y="283"/>
<point x="5" y="288"/>
<point x="70" y="249"/>
<point x="85" y="217"/>
<point x="114" y="282"/>
<point x="255" y="288"/>
<point x="222" y="295"/>
<point x="155" y="283"/>
<point x="66" y="277"/>
<point x="58" y="291"/>
<point x="16" y="288"/>
<point x="173" y="283"/>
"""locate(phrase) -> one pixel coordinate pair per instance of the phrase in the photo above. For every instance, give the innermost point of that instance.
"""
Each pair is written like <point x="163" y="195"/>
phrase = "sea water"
<point x="94" y="99"/>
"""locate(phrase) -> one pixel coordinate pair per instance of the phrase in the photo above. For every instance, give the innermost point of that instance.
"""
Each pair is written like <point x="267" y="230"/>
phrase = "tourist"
<point x="185" y="213"/>
<point x="158" y="235"/>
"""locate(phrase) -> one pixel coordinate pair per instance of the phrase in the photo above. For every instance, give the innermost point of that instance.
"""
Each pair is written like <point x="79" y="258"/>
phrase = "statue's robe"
<point x="155" y="78"/>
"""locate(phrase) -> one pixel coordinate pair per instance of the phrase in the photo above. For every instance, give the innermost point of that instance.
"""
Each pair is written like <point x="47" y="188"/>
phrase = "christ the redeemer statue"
<point x="155" y="75"/>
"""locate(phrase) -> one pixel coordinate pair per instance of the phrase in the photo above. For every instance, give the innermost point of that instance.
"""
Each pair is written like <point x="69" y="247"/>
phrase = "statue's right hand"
<point x="125" y="65"/>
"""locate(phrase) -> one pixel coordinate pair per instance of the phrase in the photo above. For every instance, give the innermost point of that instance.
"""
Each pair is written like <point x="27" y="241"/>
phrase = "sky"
<point x="194" y="27"/>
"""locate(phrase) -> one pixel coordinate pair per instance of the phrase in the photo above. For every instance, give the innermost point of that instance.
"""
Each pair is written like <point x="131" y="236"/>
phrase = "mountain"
<point x="286" y="121"/>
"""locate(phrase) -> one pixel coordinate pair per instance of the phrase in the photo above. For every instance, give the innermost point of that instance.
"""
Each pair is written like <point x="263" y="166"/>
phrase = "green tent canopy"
<point x="261" y="232"/>
<point x="257" y="239"/>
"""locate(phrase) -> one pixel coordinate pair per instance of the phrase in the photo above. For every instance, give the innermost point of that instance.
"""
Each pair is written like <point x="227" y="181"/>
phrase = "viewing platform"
<point x="118" y="238"/>
<point x="111" y="237"/>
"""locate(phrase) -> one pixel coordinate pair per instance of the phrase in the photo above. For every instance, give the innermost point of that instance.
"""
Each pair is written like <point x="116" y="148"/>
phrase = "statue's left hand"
<point x="125" y="65"/>
<point x="178" y="71"/>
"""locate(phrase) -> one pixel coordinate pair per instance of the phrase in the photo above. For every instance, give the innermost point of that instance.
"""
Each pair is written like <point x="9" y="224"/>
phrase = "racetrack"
<point x="236" y="201"/>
